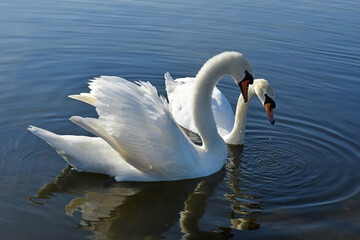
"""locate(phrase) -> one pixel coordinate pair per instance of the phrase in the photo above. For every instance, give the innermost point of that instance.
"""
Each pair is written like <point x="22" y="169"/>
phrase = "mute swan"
<point x="231" y="128"/>
<point x="137" y="137"/>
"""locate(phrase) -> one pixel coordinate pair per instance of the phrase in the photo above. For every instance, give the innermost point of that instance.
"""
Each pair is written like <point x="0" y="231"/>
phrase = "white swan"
<point x="138" y="139"/>
<point x="231" y="128"/>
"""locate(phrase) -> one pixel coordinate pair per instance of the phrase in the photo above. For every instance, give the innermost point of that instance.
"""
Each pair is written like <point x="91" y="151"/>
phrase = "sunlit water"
<point x="298" y="179"/>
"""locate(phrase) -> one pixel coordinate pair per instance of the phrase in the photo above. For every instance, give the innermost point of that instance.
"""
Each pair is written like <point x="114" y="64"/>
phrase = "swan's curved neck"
<point x="237" y="134"/>
<point x="208" y="76"/>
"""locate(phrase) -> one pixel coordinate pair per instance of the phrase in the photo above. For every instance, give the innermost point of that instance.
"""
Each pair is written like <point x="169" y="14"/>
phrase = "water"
<point x="298" y="179"/>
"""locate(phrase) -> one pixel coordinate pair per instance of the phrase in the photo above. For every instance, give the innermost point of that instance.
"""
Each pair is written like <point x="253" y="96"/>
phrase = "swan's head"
<point x="229" y="63"/>
<point x="266" y="95"/>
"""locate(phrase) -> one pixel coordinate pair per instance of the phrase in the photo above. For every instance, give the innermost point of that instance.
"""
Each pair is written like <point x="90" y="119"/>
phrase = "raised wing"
<point x="137" y="123"/>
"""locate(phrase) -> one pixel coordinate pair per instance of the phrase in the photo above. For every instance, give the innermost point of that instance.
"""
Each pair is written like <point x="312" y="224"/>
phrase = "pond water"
<point x="297" y="179"/>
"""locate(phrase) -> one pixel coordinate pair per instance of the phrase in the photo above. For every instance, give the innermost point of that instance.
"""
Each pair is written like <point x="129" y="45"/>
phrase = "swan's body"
<point x="137" y="137"/>
<point x="230" y="127"/>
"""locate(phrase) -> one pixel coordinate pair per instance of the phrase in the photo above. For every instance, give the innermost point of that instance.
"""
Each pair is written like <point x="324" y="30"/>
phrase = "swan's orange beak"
<point x="269" y="111"/>
<point x="269" y="107"/>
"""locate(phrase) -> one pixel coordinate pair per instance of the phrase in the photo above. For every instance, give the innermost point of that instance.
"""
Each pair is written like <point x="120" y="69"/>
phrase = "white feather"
<point x="230" y="127"/>
<point x="179" y="92"/>
<point x="89" y="154"/>
<point x="137" y="136"/>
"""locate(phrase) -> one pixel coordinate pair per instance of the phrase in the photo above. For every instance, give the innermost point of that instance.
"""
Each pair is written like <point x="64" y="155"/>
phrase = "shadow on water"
<point x="127" y="210"/>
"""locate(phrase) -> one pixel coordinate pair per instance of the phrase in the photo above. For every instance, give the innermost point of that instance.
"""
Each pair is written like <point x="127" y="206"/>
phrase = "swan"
<point x="231" y="128"/>
<point x="137" y="138"/>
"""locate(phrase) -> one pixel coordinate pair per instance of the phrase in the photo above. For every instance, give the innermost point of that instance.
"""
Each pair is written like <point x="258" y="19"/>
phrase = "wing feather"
<point x="137" y="123"/>
<point x="85" y="97"/>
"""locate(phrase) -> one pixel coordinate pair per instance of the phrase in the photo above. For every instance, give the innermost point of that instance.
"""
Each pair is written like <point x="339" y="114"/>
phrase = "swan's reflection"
<point x="128" y="210"/>
<point x="245" y="206"/>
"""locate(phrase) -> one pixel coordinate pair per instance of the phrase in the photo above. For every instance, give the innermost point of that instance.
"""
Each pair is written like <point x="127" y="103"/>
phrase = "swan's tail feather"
<point x="47" y="136"/>
<point x="62" y="146"/>
<point x="85" y="97"/>
<point x="55" y="141"/>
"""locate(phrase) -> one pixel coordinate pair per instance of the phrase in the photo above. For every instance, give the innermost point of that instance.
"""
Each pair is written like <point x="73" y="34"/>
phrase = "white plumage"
<point x="137" y="137"/>
<point x="230" y="127"/>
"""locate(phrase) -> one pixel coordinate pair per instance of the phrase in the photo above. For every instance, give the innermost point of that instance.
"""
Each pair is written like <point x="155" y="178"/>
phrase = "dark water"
<point x="298" y="179"/>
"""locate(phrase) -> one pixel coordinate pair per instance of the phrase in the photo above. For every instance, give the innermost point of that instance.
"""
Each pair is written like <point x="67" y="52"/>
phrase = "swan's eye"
<point x="271" y="101"/>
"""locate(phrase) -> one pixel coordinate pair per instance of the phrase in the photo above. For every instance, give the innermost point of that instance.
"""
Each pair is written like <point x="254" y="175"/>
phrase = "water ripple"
<point x="301" y="164"/>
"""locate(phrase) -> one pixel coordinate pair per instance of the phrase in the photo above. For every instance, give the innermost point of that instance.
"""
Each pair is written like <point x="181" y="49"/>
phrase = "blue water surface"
<point x="297" y="179"/>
